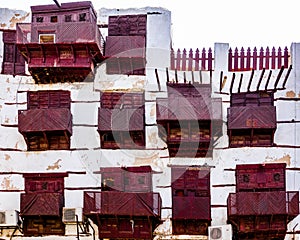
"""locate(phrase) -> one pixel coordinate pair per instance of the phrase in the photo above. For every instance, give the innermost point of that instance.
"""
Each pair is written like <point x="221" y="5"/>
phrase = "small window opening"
<point x="82" y="17"/>
<point x="68" y="18"/>
<point x="141" y="180"/>
<point x="46" y="38"/>
<point x="39" y="19"/>
<point x="53" y="19"/>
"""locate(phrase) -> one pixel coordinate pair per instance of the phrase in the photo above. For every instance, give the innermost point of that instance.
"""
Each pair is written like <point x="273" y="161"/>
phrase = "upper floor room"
<point x="66" y="43"/>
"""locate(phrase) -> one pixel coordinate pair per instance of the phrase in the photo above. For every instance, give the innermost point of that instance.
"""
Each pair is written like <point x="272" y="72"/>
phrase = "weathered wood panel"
<point x="127" y="25"/>
<point x="256" y="177"/>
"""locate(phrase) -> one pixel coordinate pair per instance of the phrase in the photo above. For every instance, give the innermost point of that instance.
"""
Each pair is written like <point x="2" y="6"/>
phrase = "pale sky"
<point x="201" y="23"/>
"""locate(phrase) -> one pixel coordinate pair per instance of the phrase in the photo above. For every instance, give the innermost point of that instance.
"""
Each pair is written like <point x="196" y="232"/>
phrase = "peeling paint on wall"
<point x="16" y="19"/>
<point x="152" y="138"/>
<point x="139" y="84"/>
<point x="285" y="159"/>
<point x="7" y="184"/>
<point x="290" y="94"/>
<point x="7" y="157"/>
<point x="146" y="160"/>
<point x="55" y="165"/>
<point x="153" y="111"/>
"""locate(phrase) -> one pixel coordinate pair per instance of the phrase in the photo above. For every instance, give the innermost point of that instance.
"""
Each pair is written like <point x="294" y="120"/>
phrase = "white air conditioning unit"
<point x="223" y="232"/>
<point x="9" y="218"/>
<point x="69" y="215"/>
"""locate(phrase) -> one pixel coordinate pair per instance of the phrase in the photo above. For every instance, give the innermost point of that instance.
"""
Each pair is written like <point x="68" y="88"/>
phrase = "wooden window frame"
<point x="39" y="19"/>
<point x="54" y="19"/>
<point x="46" y="36"/>
<point x="68" y="18"/>
<point x="82" y="17"/>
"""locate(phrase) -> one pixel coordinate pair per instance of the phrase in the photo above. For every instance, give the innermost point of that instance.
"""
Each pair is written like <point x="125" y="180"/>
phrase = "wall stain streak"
<point x="16" y="19"/>
<point x="290" y="94"/>
<point x="7" y="184"/>
<point x="285" y="159"/>
<point x="55" y="165"/>
<point x="146" y="160"/>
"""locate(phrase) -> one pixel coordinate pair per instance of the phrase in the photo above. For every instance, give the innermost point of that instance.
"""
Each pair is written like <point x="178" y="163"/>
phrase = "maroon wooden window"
<point x="13" y="62"/>
<point x="129" y="179"/>
<point x="48" y="99"/>
<point x="190" y="200"/>
<point x="47" y="124"/>
<point x="251" y="119"/>
<point x="188" y="119"/>
<point x="126" y="45"/>
<point x="121" y="120"/>
<point x="123" y="215"/>
<point x="261" y="206"/>
<point x="257" y="177"/>
<point x="42" y="203"/>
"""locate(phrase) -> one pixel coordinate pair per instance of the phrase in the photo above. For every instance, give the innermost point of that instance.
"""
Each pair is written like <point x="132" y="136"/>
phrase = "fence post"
<point x="190" y="62"/>
<point x="172" y="59"/>
<point x="273" y="58"/>
<point x="279" y="58"/>
<point x="267" y="65"/>
<point x="203" y="57"/>
<point x="254" y="58"/>
<point x="286" y="57"/>
<point x="236" y="59"/>
<point x="248" y="59"/>
<point x="183" y="59"/>
<point x="261" y="58"/>
<point x="242" y="59"/>
<point x="197" y="58"/>
<point x="209" y="60"/>
<point x="178" y="58"/>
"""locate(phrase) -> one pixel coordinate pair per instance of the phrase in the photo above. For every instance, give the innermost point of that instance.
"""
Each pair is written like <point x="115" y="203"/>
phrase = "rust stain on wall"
<point x="146" y="160"/>
<point x="106" y="85"/>
<point x="290" y="94"/>
<point x="152" y="138"/>
<point x="55" y="165"/>
<point x="7" y="184"/>
<point x="153" y="112"/>
<point x="7" y="157"/>
<point x="139" y="84"/>
<point x="285" y="159"/>
<point x="16" y="19"/>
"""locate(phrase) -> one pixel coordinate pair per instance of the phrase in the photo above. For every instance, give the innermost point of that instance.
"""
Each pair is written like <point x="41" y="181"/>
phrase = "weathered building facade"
<point x="108" y="133"/>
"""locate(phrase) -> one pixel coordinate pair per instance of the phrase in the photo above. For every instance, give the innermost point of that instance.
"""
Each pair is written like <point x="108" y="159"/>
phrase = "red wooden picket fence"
<point x="241" y="60"/>
<point x="192" y="61"/>
<point x="238" y="60"/>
